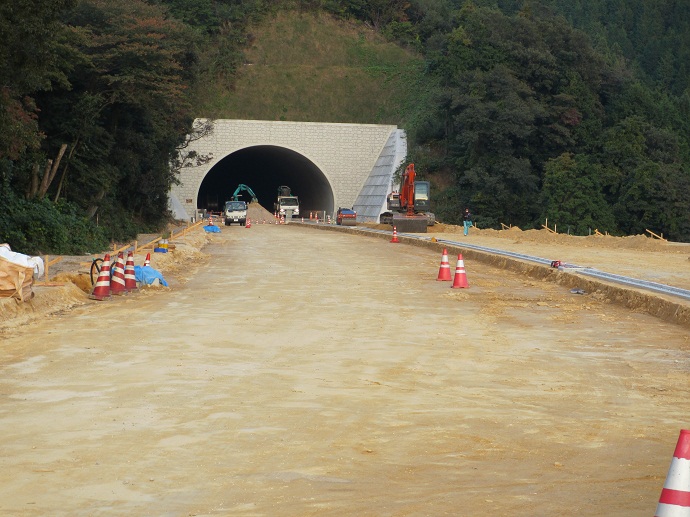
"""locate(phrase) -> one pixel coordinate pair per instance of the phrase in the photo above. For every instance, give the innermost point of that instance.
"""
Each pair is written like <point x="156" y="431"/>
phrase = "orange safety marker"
<point x="130" y="278"/>
<point x="395" y="235"/>
<point x="117" y="281"/>
<point x="675" y="496"/>
<point x="460" y="280"/>
<point x="101" y="290"/>
<point x="444" y="268"/>
<point x="147" y="261"/>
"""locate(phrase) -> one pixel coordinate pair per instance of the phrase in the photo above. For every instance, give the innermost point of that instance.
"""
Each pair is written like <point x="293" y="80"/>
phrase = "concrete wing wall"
<point x="345" y="153"/>
<point x="371" y="200"/>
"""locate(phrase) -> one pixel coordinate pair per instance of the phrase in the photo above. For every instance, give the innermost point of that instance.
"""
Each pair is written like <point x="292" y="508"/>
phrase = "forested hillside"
<point x="575" y="110"/>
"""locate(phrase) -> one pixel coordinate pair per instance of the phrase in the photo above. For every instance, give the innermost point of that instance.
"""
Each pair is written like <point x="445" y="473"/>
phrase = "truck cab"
<point x="235" y="212"/>
<point x="287" y="203"/>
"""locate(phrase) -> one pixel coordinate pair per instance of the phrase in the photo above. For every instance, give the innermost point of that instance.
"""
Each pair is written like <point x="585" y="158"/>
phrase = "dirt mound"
<point x="47" y="301"/>
<point x="258" y="214"/>
<point x="635" y="242"/>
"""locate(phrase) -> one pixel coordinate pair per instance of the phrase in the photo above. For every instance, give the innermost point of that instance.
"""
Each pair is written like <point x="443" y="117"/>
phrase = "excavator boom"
<point x="244" y="187"/>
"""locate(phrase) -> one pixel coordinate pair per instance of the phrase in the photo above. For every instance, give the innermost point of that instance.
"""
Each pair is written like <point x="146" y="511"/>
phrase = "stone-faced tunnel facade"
<point x="327" y="165"/>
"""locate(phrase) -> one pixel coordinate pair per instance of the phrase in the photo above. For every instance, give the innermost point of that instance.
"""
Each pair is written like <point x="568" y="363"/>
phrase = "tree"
<point x="573" y="196"/>
<point x="132" y="86"/>
<point x="33" y="57"/>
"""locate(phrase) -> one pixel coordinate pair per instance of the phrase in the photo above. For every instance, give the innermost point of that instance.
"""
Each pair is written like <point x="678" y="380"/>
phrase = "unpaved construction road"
<point x="299" y="372"/>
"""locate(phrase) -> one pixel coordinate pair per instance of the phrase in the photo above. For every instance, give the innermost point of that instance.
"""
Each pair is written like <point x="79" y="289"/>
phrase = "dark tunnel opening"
<point x="263" y="169"/>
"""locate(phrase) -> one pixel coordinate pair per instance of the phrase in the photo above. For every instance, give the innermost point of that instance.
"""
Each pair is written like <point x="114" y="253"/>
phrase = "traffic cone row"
<point x="122" y="280"/>
<point x="675" y="496"/>
<point x="460" y="279"/>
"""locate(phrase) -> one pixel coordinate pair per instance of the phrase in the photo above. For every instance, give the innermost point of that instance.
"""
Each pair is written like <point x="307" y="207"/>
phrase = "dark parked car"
<point x="346" y="217"/>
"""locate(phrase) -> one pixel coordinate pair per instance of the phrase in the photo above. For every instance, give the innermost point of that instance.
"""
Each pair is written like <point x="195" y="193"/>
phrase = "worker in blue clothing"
<point x="466" y="220"/>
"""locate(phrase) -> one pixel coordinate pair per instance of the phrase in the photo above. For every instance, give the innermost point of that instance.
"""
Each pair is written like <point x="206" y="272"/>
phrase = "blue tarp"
<point x="146" y="275"/>
<point x="212" y="228"/>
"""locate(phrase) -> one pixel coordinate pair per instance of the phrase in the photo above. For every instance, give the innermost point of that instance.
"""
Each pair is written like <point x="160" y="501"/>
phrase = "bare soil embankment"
<point x="70" y="281"/>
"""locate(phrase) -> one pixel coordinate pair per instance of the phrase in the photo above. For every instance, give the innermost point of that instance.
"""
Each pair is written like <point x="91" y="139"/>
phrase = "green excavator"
<point x="240" y="188"/>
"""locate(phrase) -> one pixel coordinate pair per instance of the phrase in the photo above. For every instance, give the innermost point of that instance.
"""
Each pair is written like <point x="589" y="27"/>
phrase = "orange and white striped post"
<point x="675" y="496"/>
<point x="444" y="268"/>
<point x="460" y="280"/>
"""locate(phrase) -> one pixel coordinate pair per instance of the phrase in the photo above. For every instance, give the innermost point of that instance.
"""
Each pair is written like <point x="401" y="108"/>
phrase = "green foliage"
<point x="509" y="110"/>
<point x="32" y="58"/>
<point x="309" y="67"/>
<point x="572" y="194"/>
<point x="40" y="226"/>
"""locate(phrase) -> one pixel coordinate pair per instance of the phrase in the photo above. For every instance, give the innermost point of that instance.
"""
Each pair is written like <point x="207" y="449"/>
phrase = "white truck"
<point x="235" y="212"/>
<point x="285" y="202"/>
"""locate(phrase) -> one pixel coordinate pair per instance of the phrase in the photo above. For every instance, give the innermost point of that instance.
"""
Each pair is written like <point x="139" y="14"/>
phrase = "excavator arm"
<point x="244" y="187"/>
<point x="407" y="189"/>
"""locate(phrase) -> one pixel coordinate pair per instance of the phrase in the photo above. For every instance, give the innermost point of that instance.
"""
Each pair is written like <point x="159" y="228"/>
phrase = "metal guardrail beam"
<point x="588" y="271"/>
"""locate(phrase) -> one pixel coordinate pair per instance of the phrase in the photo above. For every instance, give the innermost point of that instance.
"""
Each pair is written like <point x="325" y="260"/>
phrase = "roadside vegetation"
<point x="573" y="110"/>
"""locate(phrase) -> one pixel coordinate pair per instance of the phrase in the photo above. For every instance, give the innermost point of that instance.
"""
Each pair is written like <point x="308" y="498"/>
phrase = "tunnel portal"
<point x="327" y="165"/>
<point x="264" y="168"/>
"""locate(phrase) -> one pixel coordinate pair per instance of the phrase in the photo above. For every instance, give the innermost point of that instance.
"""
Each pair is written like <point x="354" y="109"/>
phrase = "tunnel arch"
<point x="264" y="168"/>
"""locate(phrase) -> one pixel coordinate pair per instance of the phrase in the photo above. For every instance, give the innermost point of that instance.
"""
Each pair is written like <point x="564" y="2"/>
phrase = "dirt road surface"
<point x="296" y="372"/>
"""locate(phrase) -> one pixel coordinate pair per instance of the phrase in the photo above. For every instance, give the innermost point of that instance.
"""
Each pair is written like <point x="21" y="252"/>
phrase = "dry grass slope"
<point x="311" y="67"/>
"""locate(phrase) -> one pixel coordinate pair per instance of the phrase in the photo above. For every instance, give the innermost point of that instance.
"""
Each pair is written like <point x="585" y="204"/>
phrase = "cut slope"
<point x="311" y="67"/>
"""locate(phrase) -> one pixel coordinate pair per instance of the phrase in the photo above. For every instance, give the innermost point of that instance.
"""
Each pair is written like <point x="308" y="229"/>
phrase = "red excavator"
<point x="409" y="208"/>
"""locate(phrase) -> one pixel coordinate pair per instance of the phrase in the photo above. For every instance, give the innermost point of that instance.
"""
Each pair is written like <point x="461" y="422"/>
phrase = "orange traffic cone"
<point x="101" y="290"/>
<point x="210" y="221"/>
<point x="130" y="278"/>
<point x="444" y="269"/>
<point x="395" y="235"/>
<point x="147" y="262"/>
<point x="675" y="496"/>
<point x="248" y="224"/>
<point x="117" y="282"/>
<point x="460" y="280"/>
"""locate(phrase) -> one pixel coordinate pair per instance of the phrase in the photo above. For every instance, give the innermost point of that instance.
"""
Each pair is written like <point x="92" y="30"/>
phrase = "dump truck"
<point x="286" y="201"/>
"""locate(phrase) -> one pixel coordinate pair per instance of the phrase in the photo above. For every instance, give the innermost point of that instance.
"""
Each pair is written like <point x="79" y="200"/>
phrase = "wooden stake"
<point x="660" y="237"/>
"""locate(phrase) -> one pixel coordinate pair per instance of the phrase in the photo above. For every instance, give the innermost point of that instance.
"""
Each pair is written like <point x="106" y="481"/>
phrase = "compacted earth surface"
<point x="290" y="371"/>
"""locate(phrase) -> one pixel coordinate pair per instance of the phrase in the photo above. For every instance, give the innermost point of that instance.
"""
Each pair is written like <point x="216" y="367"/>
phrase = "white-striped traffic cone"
<point x="130" y="277"/>
<point x="101" y="290"/>
<point x="395" y="235"/>
<point x="460" y="280"/>
<point x="675" y="496"/>
<point x="117" y="281"/>
<point x="444" y="269"/>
